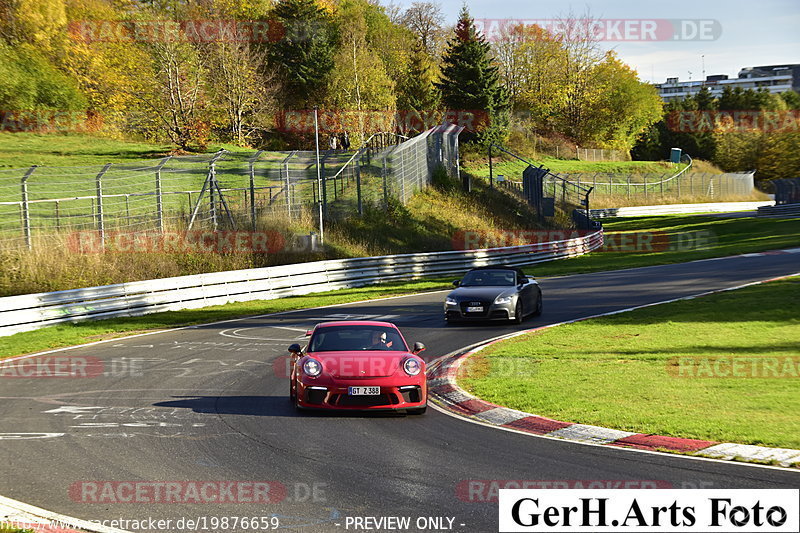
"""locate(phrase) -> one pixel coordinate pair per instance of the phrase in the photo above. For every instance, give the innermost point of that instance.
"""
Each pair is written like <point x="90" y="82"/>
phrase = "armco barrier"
<point x="779" y="211"/>
<point x="677" y="209"/>
<point x="32" y="311"/>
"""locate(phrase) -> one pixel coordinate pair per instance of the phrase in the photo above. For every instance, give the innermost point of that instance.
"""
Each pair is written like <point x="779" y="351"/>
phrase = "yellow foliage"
<point x="42" y="22"/>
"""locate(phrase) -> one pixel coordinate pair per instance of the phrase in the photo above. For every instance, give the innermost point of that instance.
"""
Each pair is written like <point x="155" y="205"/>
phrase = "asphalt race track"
<point x="211" y="403"/>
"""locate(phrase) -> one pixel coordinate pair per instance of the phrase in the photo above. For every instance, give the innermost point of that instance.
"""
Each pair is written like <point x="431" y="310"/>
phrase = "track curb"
<point x="445" y="392"/>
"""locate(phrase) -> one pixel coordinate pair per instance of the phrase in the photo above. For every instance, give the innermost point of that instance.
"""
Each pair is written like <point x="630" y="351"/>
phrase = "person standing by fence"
<point x="334" y="142"/>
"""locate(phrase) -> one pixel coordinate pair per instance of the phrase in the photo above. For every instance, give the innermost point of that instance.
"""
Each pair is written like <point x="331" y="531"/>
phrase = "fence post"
<point x="212" y="194"/>
<point x="385" y="190"/>
<point x="402" y="177"/>
<point x="645" y="186"/>
<point x="358" y="188"/>
<point x="100" y="221"/>
<point x="491" y="175"/>
<point x="325" y="187"/>
<point x="252" y="162"/>
<point x="58" y="218"/>
<point x="629" y="185"/>
<point x="26" y="213"/>
<point x="159" y="195"/>
<point x="286" y="169"/>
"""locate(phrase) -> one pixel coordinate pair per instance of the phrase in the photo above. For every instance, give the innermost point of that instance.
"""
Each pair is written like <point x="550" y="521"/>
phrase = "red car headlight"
<point x="312" y="367"/>
<point x="412" y="366"/>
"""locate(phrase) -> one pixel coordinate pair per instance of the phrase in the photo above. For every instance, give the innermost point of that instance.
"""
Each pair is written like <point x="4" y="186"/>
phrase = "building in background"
<point x="774" y="78"/>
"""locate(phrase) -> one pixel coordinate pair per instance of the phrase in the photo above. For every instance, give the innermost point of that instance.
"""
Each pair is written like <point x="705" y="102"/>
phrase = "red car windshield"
<point x="355" y="338"/>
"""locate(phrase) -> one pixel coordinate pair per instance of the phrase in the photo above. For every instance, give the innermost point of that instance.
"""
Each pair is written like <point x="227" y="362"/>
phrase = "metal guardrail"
<point x="33" y="311"/>
<point x="779" y="211"/>
<point x="677" y="209"/>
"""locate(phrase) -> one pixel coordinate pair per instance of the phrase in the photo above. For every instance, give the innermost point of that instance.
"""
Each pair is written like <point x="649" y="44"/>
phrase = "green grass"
<point x="513" y="168"/>
<point x="15" y="530"/>
<point x="614" y="371"/>
<point x="714" y="237"/>
<point x="89" y="331"/>
<point x="20" y="150"/>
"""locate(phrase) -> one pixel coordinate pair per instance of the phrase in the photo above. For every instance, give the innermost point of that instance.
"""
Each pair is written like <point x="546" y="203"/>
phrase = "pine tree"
<point x="418" y="99"/>
<point x="471" y="81"/>
<point x="304" y="53"/>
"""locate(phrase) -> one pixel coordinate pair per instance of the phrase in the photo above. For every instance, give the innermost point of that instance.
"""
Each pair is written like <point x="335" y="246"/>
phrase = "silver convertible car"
<point x="493" y="293"/>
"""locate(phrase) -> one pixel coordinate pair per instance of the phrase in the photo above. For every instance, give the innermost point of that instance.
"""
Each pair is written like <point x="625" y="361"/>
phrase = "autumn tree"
<point x="173" y="93"/>
<point x="622" y="109"/>
<point x="530" y="59"/>
<point x="242" y="85"/>
<point x="359" y="86"/>
<point x="471" y="82"/>
<point x="425" y="19"/>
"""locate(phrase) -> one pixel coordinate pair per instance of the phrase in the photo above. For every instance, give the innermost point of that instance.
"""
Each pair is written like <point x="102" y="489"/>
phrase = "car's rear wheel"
<point x="518" y="313"/>
<point x="538" y="305"/>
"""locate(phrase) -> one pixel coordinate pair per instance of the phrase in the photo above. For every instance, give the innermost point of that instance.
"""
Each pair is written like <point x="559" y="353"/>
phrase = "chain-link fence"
<point x="600" y="154"/>
<point x="557" y="201"/>
<point x="225" y="189"/>
<point x="665" y="185"/>
<point x="640" y="186"/>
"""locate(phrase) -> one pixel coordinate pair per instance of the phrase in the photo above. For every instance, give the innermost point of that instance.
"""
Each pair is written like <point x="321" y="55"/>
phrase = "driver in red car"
<point x="379" y="341"/>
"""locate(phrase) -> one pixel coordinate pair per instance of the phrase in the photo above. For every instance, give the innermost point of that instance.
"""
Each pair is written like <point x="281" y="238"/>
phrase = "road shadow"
<point x="261" y="406"/>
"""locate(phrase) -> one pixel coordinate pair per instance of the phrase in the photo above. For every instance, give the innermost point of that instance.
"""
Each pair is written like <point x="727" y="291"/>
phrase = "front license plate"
<point x="475" y="309"/>
<point x="364" y="391"/>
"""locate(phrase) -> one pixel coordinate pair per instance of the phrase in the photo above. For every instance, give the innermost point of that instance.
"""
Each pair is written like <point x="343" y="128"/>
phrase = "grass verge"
<point x="63" y="335"/>
<point x="734" y="236"/>
<point x="430" y="221"/>
<point x="677" y="239"/>
<point x="21" y="150"/>
<point x="631" y="371"/>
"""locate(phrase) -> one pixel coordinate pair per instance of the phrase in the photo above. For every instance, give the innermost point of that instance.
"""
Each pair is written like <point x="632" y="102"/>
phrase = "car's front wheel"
<point x="538" y="306"/>
<point x="518" y="313"/>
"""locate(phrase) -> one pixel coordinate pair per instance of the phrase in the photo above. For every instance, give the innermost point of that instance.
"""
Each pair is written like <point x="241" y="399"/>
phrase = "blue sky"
<point x="754" y="32"/>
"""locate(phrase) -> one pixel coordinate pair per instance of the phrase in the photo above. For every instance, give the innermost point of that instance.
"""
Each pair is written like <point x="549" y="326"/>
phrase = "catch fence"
<point x="558" y="202"/>
<point x="40" y="205"/>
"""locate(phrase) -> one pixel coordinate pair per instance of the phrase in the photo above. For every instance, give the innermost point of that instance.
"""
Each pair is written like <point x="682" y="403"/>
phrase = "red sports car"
<point x="358" y="365"/>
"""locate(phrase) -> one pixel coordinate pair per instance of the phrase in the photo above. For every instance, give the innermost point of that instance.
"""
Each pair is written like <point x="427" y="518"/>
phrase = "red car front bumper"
<point x="334" y="394"/>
